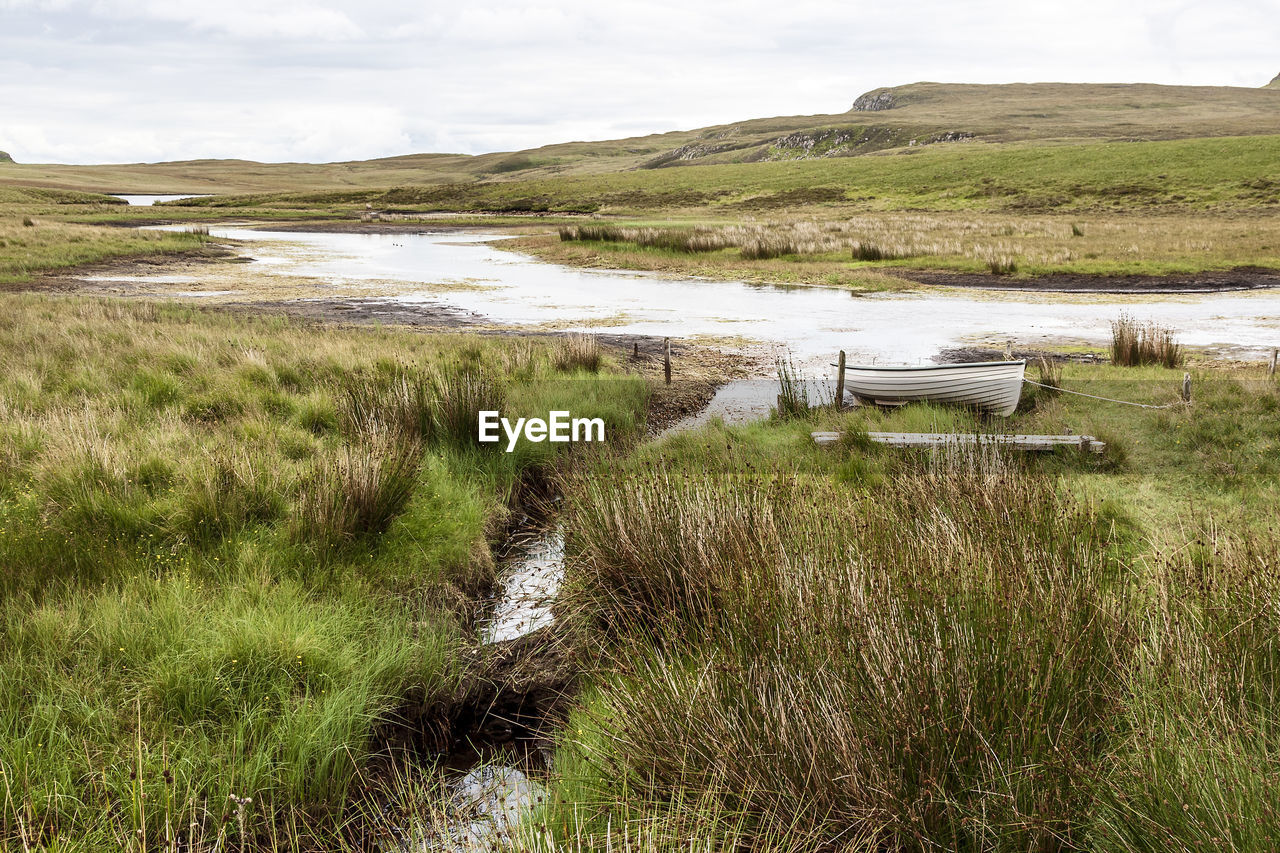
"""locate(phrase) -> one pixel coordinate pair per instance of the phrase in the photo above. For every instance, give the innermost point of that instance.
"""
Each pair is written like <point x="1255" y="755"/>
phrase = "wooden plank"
<point x="940" y="439"/>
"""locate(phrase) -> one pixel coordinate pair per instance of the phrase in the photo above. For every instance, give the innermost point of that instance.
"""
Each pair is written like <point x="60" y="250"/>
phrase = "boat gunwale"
<point x="894" y="367"/>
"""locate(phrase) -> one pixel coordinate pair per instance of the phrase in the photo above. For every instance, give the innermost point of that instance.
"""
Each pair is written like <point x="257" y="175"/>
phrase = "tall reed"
<point x="933" y="663"/>
<point x="1134" y="344"/>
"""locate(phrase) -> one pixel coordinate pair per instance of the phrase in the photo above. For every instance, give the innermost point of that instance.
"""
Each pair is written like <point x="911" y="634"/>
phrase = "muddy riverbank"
<point x="1214" y="281"/>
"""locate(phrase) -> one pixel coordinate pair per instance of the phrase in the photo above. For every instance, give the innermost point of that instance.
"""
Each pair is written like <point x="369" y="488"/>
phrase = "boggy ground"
<point x="883" y="250"/>
<point x="242" y="553"/>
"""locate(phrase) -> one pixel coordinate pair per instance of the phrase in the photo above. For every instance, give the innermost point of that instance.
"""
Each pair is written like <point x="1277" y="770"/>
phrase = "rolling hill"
<point x="915" y="115"/>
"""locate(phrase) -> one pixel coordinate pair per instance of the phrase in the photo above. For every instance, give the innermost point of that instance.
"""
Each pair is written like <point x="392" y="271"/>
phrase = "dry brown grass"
<point x="1134" y="344"/>
<point x="578" y="352"/>
<point x="838" y="250"/>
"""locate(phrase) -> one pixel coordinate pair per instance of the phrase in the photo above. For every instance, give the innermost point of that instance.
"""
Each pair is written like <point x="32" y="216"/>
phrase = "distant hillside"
<point x="919" y="114"/>
<point x="1275" y="82"/>
<point x="5" y="158"/>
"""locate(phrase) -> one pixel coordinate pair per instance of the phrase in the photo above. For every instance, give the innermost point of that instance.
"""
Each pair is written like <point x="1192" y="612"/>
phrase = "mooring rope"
<point x="1096" y="397"/>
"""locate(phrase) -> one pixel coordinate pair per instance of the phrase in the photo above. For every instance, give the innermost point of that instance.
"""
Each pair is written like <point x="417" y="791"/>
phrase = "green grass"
<point x="1195" y="174"/>
<point x="33" y="245"/>
<point x="858" y="248"/>
<point x="229" y="550"/>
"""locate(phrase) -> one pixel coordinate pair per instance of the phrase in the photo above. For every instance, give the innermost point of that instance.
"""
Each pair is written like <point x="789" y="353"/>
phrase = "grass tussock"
<point x="793" y="391"/>
<point x="576" y="352"/>
<point x="1134" y="344"/>
<point x="1049" y="374"/>
<point x="356" y="492"/>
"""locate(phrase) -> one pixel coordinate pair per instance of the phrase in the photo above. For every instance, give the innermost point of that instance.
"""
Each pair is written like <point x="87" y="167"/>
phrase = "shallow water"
<point x="530" y="573"/>
<point x="485" y="806"/>
<point x="148" y="200"/>
<point x="813" y="322"/>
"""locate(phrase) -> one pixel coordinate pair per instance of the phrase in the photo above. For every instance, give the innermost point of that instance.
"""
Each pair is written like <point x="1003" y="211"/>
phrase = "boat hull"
<point x="990" y="386"/>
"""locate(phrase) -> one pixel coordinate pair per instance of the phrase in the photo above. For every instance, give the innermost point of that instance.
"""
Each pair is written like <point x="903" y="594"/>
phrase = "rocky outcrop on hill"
<point x="1274" y="84"/>
<point x="849" y="141"/>
<point x="5" y="158"/>
<point x="875" y="101"/>
<point x="692" y="151"/>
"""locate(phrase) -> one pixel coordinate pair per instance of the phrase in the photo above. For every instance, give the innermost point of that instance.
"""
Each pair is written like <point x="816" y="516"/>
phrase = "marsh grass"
<point x="29" y="246"/>
<point x="356" y="492"/>
<point x="892" y="664"/>
<point x="866" y="649"/>
<point x="1049" y="373"/>
<point x="1134" y="344"/>
<point x="438" y="406"/>
<point x="793" y="391"/>
<point x="230" y="548"/>
<point x="1002" y="265"/>
<point x="1197" y="768"/>
<point x="1028" y="244"/>
<point x="575" y="352"/>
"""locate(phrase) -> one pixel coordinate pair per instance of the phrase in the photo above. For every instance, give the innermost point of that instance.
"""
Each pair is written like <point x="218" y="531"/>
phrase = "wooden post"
<point x="1008" y="350"/>
<point x="1271" y="371"/>
<point x="1186" y="387"/>
<point x="666" y="358"/>
<point x="635" y="350"/>
<point x="840" y="381"/>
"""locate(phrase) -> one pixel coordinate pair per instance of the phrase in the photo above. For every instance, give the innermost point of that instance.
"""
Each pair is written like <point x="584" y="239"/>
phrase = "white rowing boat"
<point x="991" y="386"/>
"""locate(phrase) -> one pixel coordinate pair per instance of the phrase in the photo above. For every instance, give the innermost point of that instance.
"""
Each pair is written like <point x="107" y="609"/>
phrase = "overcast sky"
<point x="101" y="81"/>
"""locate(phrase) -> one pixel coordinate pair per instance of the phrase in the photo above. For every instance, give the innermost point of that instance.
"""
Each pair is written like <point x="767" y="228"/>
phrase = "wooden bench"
<point x="941" y="439"/>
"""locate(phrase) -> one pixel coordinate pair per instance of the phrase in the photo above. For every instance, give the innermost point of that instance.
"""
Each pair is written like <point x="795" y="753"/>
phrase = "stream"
<point x="507" y="289"/>
<point x="490" y="791"/>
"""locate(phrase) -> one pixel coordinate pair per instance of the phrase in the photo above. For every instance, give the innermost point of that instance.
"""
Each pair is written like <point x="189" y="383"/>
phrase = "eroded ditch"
<point x="491" y="747"/>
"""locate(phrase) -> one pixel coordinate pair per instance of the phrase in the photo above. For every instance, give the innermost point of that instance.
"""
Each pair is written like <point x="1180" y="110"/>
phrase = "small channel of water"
<point x="532" y="569"/>
<point x="492" y="792"/>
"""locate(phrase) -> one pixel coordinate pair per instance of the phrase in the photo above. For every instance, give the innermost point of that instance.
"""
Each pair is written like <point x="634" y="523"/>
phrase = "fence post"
<point x="1271" y="371"/>
<point x="635" y="350"/>
<point x="666" y="358"/>
<point x="1186" y="387"/>
<point x="840" y="382"/>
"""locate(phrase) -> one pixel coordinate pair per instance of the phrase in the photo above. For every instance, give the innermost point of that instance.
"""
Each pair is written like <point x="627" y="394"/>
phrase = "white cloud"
<point x="125" y="80"/>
